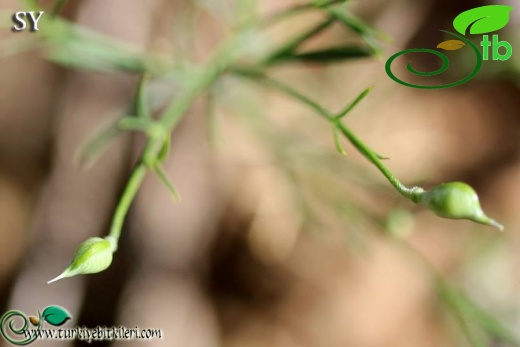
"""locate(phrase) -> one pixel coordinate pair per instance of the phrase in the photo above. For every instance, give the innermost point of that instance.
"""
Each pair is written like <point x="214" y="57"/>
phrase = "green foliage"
<point x="74" y="47"/>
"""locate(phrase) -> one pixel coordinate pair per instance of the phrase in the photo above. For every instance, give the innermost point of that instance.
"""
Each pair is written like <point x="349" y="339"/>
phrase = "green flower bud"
<point x="92" y="256"/>
<point x="454" y="200"/>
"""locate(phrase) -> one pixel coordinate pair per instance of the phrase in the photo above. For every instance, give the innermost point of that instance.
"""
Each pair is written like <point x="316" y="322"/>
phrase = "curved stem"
<point x="167" y="123"/>
<point x="131" y="189"/>
<point x="408" y="193"/>
<point x="284" y="88"/>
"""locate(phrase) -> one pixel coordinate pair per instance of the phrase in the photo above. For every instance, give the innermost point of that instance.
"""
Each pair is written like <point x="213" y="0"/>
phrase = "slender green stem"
<point x="202" y="81"/>
<point x="337" y="142"/>
<point x="467" y="313"/>
<point x="129" y="193"/>
<point x="134" y="124"/>
<point x="286" y="89"/>
<point x="409" y="193"/>
<point x="95" y="145"/>
<point x="374" y="159"/>
<point x="167" y="123"/>
<point x="172" y="115"/>
<point x="141" y="106"/>
<point x="353" y="104"/>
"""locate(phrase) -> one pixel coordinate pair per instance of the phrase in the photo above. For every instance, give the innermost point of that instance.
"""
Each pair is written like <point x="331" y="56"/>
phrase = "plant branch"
<point x="284" y="88"/>
<point x="370" y="155"/>
<point x="128" y="196"/>
<point x="297" y="41"/>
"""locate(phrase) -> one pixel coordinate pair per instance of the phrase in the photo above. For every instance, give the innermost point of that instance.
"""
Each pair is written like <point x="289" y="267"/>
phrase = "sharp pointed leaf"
<point x="165" y="149"/>
<point x="337" y="142"/>
<point x="357" y="25"/>
<point x="287" y="50"/>
<point x="354" y="103"/>
<point x="91" y="150"/>
<point x="163" y="176"/>
<point x="141" y="106"/>
<point x="330" y="55"/>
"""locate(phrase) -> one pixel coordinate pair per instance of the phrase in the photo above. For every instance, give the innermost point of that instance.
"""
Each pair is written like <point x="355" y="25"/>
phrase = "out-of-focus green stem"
<point x="284" y="88"/>
<point x="297" y="41"/>
<point x="156" y="134"/>
<point x="276" y="17"/>
<point x="58" y="5"/>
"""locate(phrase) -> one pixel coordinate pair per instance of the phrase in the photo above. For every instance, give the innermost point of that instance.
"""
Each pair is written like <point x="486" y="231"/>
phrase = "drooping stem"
<point x="335" y="120"/>
<point x="371" y="156"/>
<point x="129" y="193"/>
<point x="169" y="120"/>
<point x="258" y="76"/>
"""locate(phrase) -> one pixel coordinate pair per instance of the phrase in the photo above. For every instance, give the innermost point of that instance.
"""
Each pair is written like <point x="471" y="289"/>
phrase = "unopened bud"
<point x="92" y="256"/>
<point x="455" y="200"/>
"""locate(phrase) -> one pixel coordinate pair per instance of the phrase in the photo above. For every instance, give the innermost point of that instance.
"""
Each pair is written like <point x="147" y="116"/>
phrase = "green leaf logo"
<point x="55" y="315"/>
<point x="483" y="20"/>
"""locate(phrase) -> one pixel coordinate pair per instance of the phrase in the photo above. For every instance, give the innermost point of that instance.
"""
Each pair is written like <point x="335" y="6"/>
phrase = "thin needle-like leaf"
<point x="468" y="312"/>
<point x="141" y="106"/>
<point x="282" y="87"/>
<point x="163" y="176"/>
<point x="165" y="149"/>
<point x="290" y="46"/>
<point x="354" y="103"/>
<point x="93" y="148"/>
<point x="357" y="25"/>
<point x="328" y="55"/>
<point x="278" y="16"/>
<point x="337" y="142"/>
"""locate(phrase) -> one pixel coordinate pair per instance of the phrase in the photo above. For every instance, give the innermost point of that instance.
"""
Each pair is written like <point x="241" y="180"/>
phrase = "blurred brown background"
<point x="237" y="263"/>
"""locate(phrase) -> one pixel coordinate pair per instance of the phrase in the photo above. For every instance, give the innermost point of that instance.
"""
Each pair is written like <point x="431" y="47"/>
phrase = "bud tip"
<point x="63" y="275"/>
<point x="496" y="224"/>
